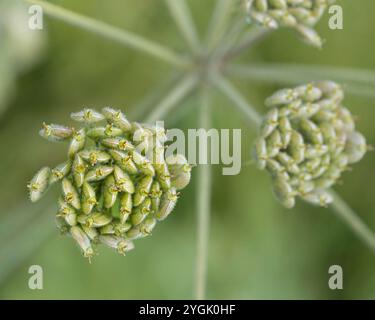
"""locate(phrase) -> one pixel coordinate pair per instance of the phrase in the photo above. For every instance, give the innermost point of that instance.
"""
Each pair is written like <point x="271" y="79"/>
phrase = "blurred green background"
<point x="257" y="248"/>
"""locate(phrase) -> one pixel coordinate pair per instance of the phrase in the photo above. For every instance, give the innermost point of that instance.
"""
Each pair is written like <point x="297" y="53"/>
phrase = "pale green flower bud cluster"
<point x="306" y="141"/>
<point x="116" y="183"/>
<point x="301" y="15"/>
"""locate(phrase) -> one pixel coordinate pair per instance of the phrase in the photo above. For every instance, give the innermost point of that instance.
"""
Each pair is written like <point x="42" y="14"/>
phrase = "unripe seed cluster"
<point x="306" y="141"/>
<point x="301" y="15"/>
<point x="116" y="183"/>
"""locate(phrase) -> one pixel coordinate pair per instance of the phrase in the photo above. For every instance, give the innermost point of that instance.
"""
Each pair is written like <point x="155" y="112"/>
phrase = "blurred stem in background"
<point x="203" y="195"/>
<point x="221" y="41"/>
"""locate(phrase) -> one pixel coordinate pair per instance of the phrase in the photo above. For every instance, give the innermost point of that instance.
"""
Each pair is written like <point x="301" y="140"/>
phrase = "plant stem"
<point x="182" y="16"/>
<point x="252" y="37"/>
<point x="178" y="93"/>
<point x="239" y="101"/>
<point x="203" y="207"/>
<point x="110" y="32"/>
<point x="353" y="221"/>
<point x="355" y="79"/>
<point x="218" y="23"/>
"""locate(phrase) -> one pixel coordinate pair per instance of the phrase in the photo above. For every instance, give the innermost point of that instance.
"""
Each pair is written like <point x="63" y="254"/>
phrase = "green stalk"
<point x="176" y="95"/>
<point x="353" y="221"/>
<point x="182" y="17"/>
<point x="203" y="208"/>
<point x="105" y="30"/>
<point x="358" y="82"/>
<point x="239" y="101"/>
<point x="218" y="23"/>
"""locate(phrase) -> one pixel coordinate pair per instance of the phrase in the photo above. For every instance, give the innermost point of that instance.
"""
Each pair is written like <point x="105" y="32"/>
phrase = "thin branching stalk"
<point x="238" y="100"/>
<point x="252" y="37"/>
<point x="353" y="221"/>
<point x="218" y="23"/>
<point x="203" y="207"/>
<point x="103" y="29"/>
<point x="175" y="96"/>
<point x="183" y="19"/>
<point x="358" y="82"/>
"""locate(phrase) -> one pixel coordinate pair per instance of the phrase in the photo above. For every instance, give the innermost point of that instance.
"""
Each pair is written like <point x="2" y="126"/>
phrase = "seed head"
<point x="301" y="15"/>
<point x="114" y="188"/>
<point x="307" y="148"/>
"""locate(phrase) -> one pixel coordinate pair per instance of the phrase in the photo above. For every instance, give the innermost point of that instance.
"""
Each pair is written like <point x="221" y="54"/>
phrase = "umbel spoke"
<point x="103" y="29"/>
<point x="203" y="206"/>
<point x="358" y="82"/>
<point x="182" y="17"/>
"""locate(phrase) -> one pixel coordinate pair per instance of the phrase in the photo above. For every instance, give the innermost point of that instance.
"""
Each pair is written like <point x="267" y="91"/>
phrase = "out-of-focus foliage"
<point x="257" y="248"/>
<point x="20" y="47"/>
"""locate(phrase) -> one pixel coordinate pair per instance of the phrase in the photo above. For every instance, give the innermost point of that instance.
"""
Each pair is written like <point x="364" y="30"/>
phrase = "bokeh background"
<point x="257" y="248"/>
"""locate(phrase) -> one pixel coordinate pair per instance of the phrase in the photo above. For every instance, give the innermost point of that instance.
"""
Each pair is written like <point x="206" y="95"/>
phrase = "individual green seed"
<point x="124" y="161"/>
<point x="314" y="151"/>
<point x="61" y="225"/>
<point x="60" y="171"/>
<point x="77" y="143"/>
<point x="104" y="132"/>
<point x="95" y="156"/>
<point x="276" y="169"/>
<point x="297" y="147"/>
<point x="309" y="92"/>
<point x="260" y="152"/>
<point x="142" y="190"/>
<point x="356" y="147"/>
<point x="79" y="170"/>
<point x="305" y="187"/>
<point x="274" y="143"/>
<point x="155" y="195"/>
<point x="346" y="116"/>
<point x="281" y="97"/>
<point x="118" y="143"/>
<point x="147" y="226"/>
<point x="143" y="164"/>
<point x="110" y="191"/>
<point x="94" y="220"/>
<point x="123" y="181"/>
<point x="323" y="116"/>
<point x="117" y="118"/>
<point x="70" y="194"/>
<point x="309" y="35"/>
<point x="126" y="205"/>
<point x="98" y="173"/>
<point x="286" y="131"/>
<point x="134" y="233"/>
<point x="270" y="122"/>
<point x="261" y="5"/>
<point x="163" y="175"/>
<point x="122" y="246"/>
<point x="56" y="132"/>
<point x="89" y="198"/>
<point x="179" y="170"/>
<point x="288" y="163"/>
<point x="141" y="212"/>
<point x="167" y="204"/>
<point x="92" y="233"/>
<point x="319" y="197"/>
<point x="311" y="131"/>
<point x="284" y="192"/>
<point x="87" y="115"/>
<point x="83" y="241"/>
<point x="311" y="164"/>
